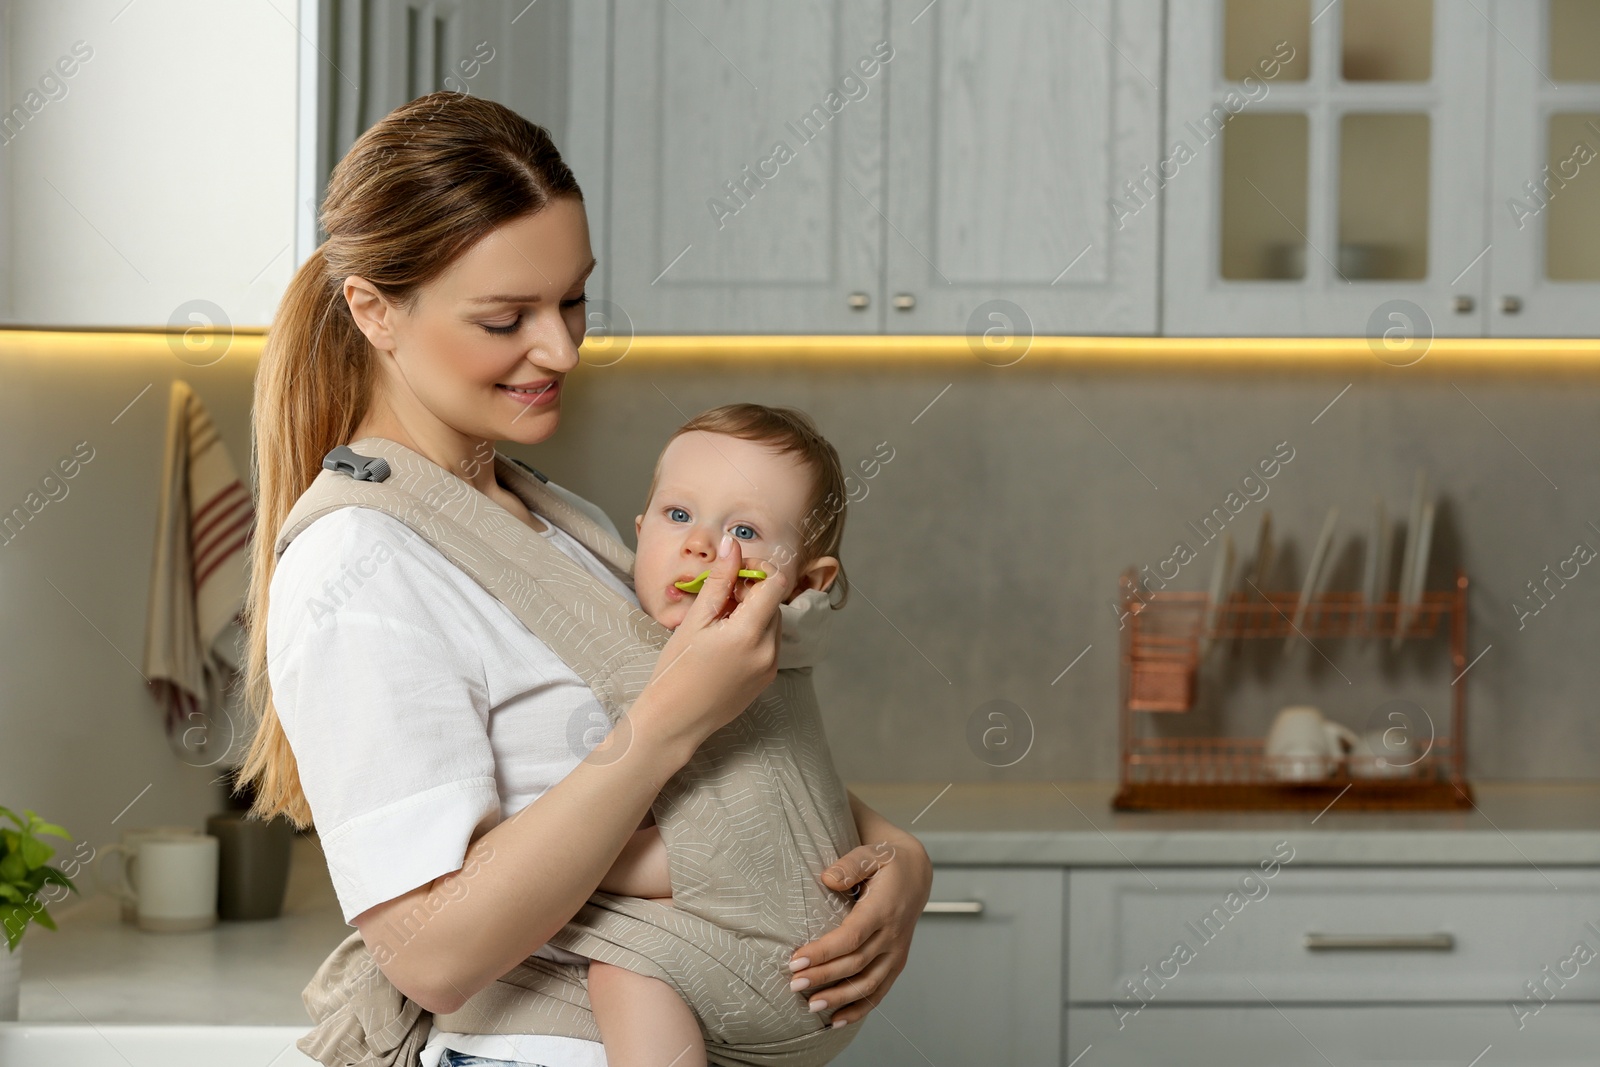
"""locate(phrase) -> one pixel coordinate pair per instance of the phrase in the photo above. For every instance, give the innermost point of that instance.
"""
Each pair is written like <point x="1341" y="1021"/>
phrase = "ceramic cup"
<point x="1383" y="754"/>
<point x="1303" y="746"/>
<point x="172" y="880"/>
<point x="130" y="841"/>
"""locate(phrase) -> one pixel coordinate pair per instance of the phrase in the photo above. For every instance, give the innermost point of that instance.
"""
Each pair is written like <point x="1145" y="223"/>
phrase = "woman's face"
<point x="483" y="352"/>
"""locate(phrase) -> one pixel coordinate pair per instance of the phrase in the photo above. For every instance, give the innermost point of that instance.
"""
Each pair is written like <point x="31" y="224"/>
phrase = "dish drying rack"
<point x="1161" y="654"/>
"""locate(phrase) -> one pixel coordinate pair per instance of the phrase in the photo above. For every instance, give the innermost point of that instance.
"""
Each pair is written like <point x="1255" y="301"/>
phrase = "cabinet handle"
<point x="859" y="301"/>
<point x="1510" y="305"/>
<point x="1380" y="943"/>
<point x="904" y="301"/>
<point x="1464" y="304"/>
<point x="953" y="907"/>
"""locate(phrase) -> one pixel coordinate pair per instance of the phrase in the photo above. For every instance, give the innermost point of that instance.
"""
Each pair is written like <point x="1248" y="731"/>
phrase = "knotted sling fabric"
<point x="749" y="823"/>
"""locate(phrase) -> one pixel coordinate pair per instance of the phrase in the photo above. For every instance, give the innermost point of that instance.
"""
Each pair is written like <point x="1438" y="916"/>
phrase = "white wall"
<point x="80" y="737"/>
<point x="162" y="172"/>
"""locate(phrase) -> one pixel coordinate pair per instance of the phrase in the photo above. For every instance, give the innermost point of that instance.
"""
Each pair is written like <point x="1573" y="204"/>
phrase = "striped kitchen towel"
<point x="197" y="582"/>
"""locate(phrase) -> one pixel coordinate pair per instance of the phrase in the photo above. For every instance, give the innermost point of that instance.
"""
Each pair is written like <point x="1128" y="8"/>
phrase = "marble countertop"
<point x="98" y="969"/>
<point x="1072" y="824"/>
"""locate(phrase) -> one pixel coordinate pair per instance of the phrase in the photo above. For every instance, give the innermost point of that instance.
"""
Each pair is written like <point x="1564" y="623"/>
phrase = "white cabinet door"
<point x="984" y="984"/>
<point x="746" y="159"/>
<point x="1545" y="207"/>
<point x="1258" y="165"/>
<point x="1297" y="1036"/>
<point x="1012" y="126"/>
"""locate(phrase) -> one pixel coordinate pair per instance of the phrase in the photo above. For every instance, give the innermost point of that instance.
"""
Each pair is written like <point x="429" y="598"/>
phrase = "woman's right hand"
<point x="723" y="654"/>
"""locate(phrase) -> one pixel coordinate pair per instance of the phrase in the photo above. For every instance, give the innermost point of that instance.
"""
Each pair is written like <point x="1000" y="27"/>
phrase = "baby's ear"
<point x="819" y="574"/>
<point x="638" y="521"/>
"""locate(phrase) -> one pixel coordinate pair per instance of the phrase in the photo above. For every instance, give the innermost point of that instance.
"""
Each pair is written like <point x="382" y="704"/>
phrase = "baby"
<point x="767" y="477"/>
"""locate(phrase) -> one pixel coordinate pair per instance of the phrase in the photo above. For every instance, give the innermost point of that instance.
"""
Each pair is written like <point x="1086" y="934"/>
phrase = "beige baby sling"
<point x="749" y="823"/>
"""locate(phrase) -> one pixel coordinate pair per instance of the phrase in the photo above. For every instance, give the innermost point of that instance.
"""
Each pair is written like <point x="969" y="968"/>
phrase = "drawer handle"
<point x="1380" y="943"/>
<point x="953" y="907"/>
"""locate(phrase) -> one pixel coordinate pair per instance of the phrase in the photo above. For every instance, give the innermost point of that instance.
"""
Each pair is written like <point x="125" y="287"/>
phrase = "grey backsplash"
<point x="984" y="556"/>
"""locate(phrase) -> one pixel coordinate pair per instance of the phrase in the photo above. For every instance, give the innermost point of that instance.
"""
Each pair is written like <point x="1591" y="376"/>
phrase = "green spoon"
<point x="693" y="585"/>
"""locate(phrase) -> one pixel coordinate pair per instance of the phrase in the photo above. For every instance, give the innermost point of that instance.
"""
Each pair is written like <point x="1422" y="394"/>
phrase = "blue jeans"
<point x="452" y="1058"/>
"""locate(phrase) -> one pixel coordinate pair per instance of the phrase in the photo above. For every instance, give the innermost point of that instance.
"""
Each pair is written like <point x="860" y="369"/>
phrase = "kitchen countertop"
<point x="97" y="969"/>
<point x="1072" y="824"/>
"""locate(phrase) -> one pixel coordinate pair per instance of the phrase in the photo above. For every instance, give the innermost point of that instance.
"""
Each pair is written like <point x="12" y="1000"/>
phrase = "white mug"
<point x="1383" y="754"/>
<point x="131" y="837"/>
<point x="1303" y="746"/>
<point x="172" y="880"/>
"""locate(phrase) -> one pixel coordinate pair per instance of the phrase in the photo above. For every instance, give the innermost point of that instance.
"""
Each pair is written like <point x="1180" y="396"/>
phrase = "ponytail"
<point x="311" y="391"/>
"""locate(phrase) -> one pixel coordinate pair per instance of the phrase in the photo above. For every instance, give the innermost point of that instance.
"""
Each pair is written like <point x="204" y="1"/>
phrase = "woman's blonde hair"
<point x="416" y="191"/>
<point x="789" y="430"/>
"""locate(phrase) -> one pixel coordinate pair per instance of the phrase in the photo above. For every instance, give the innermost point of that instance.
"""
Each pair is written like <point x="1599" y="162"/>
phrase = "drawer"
<point x="1375" y="935"/>
<point x="1303" y="1036"/>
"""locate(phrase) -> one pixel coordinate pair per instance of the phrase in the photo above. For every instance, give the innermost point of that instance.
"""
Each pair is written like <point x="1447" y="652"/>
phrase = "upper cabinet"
<point x="1375" y="165"/>
<point x="1012" y="128"/>
<point x="1204" y="168"/>
<point x="1325" y="165"/>
<point x="747" y="165"/>
<point x="1545" y="169"/>
<point x="867" y="167"/>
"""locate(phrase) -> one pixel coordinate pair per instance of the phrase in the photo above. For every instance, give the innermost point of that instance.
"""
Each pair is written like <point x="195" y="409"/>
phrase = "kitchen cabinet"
<point x="870" y="167"/>
<point x="1279" y="963"/>
<point x="1291" y="1035"/>
<point x="985" y="979"/>
<point x="1401" y="169"/>
<point x="1324" y="168"/>
<point x="1326" y="935"/>
<point x="1545" y="207"/>
<point x="1011" y="128"/>
<point x="810" y="167"/>
<point x="1417" y="169"/>
<point x="747" y="167"/>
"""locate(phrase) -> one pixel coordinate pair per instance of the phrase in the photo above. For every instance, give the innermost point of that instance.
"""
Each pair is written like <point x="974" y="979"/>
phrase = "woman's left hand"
<point x="856" y="963"/>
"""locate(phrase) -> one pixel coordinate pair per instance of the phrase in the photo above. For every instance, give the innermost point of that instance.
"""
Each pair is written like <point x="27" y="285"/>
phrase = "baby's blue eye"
<point x="673" y="513"/>
<point x="742" y="537"/>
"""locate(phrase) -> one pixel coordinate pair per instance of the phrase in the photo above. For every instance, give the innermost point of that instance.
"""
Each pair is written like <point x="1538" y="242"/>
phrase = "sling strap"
<point x="749" y="823"/>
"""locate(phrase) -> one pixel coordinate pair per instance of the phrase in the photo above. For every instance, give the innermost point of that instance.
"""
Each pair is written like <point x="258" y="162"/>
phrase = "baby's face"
<point x="711" y="484"/>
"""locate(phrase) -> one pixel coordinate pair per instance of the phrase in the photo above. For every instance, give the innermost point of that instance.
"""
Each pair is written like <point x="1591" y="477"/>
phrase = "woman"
<point x="443" y="312"/>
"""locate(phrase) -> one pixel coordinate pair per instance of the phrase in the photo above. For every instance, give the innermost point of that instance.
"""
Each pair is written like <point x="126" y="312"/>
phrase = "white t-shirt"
<point x="419" y="708"/>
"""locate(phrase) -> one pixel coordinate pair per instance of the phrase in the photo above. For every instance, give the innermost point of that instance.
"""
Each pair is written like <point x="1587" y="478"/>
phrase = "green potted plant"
<point x="24" y="873"/>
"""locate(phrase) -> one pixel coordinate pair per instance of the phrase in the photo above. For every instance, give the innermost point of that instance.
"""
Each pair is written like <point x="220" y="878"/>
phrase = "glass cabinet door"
<point x="1545" y="202"/>
<point x="1324" y="166"/>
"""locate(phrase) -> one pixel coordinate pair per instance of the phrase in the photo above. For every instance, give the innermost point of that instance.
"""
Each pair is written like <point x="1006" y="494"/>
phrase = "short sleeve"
<point x="387" y="714"/>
